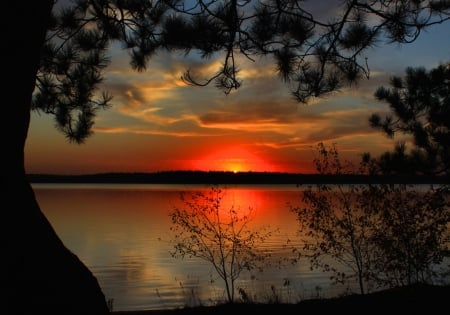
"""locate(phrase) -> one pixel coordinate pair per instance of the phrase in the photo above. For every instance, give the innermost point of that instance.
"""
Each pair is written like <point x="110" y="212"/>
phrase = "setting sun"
<point x="233" y="159"/>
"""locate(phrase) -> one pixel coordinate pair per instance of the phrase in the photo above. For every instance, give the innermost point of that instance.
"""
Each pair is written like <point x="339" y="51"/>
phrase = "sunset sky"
<point x="158" y="123"/>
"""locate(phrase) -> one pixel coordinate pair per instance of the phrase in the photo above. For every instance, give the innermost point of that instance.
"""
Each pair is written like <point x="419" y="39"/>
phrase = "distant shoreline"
<point x="217" y="177"/>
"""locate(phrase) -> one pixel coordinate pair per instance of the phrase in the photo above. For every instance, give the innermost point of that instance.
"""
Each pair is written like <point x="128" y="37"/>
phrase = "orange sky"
<point x="158" y="123"/>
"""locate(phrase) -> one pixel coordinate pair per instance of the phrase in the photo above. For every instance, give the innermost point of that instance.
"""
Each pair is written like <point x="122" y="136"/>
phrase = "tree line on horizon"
<point x="229" y="177"/>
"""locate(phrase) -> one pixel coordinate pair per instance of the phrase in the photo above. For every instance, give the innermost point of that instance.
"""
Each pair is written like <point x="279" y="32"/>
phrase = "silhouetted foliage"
<point x="420" y="108"/>
<point x="72" y="61"/>
<point x="380" y="235"/>
<point x="411" y="234"/>
<point x="314" y="52"/>
<point x="39" y="274"/>
<point x="222" y="237"/>
<point x="63" y="73"/>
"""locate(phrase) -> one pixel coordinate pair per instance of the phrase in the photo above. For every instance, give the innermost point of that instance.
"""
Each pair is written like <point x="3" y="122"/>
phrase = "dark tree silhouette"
<point x="39" y="274"/>
<point x="420" y="108"/>
<point x="223" y="237"/>
<point x="55" y="51"/>
<point x="377" y="236"/>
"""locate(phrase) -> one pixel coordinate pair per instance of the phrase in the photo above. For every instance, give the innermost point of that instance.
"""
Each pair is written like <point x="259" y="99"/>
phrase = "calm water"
<point x="122" y="233"/>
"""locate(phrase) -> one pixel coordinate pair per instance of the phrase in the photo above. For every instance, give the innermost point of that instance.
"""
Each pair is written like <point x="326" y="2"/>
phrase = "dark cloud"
<point x="251" y="112"/>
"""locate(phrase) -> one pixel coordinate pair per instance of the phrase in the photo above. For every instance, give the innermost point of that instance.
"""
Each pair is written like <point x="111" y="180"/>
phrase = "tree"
<point x="420" y="108"/>
<point x="53" y="64"/>
<point x="222" y="237"/>
<point x="413" y="234"/>
<point x="336" y="228"/>
<point x="381" y="235"/>
<point x="39" y="274"/>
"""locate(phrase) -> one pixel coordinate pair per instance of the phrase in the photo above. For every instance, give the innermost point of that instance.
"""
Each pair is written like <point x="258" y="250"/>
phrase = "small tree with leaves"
<point x="222" y="237"/>
<point x="336" y="230"/>
<point x="412" y="235"/>
<point x="382" y="235"/>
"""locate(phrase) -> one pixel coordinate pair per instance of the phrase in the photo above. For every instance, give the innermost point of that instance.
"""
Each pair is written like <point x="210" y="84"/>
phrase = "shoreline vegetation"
<point x="414" y="299"/>
<point x="217" y="177"/>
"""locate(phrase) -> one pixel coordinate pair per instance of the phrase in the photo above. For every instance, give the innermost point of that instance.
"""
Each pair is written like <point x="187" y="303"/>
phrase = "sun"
<point x="234" y="164"/>
<point x="233" y="159"/>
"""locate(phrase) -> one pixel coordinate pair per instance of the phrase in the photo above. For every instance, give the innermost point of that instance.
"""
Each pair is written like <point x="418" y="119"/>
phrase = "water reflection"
<point x="121" y="233"/>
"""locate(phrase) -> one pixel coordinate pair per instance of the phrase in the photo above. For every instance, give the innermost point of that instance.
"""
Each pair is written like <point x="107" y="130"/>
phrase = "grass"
<point x="414" y="299"/>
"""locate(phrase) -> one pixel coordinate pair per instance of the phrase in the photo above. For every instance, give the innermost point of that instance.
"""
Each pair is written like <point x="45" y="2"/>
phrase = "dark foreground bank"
<point x="416" y="299"/>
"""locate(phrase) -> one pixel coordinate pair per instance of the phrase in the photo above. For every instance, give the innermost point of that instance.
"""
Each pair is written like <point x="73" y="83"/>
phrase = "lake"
<point x="122" y="233"/>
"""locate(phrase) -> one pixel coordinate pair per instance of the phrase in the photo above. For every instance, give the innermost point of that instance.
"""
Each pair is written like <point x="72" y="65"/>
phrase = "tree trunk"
<point x="39" y="275"/>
